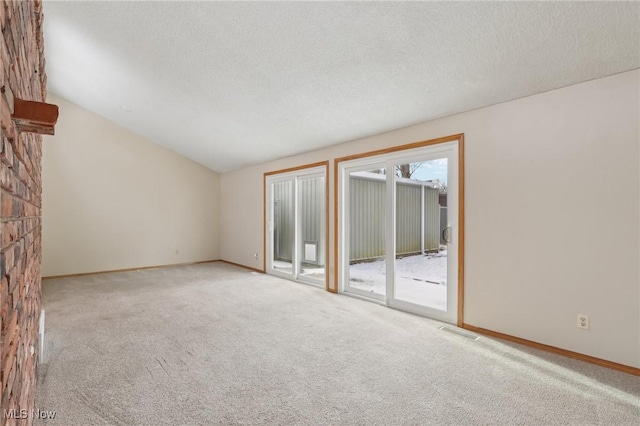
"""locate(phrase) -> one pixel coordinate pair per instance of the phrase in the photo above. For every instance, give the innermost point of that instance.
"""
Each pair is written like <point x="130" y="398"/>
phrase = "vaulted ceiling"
<point x="229" y="84"/>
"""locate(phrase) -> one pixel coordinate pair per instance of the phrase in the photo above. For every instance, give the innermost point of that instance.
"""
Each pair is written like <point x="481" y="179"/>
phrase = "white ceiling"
<point x="234" y="84"/>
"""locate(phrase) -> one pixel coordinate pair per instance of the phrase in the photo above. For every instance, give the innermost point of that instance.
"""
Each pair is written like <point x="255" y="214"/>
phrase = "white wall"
<point x="552" y="213"/>
<point x="115" y="200"/>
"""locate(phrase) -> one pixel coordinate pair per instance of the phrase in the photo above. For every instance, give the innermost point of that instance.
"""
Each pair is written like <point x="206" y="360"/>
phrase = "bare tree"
<point x="407" y="170"/>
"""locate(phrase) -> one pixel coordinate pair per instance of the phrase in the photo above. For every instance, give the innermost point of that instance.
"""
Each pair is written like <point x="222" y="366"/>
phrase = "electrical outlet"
<point x="583" y="321"/>
<point x="255" y="256"/>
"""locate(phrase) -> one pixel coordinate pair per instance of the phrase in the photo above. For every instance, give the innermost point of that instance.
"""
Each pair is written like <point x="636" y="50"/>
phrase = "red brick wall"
<point x="21" y="53"/>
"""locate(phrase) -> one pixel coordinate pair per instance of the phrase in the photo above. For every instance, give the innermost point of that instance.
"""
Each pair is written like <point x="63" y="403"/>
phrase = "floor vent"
<point x="459" y="331"/>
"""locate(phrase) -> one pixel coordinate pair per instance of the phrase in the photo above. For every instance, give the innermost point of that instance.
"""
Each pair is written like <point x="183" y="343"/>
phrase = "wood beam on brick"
<point x="34" y="117"/>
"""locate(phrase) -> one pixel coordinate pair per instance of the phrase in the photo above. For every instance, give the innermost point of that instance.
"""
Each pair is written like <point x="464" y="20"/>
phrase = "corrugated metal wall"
<point x="312" y="211"/>
<point x="408" y="215"/>
<point x="432" y="215"/>
<point x="367" y="215"/>
<point x="312" y="219"/>
<point x="443" y="223"/>
<point x="366" y="218"/>
<point x="283" y="226"/>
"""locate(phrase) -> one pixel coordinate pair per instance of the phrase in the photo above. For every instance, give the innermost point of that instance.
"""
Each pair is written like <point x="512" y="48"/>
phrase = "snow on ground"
<point x="420" y="279"/>
<point x="312" y="272"/>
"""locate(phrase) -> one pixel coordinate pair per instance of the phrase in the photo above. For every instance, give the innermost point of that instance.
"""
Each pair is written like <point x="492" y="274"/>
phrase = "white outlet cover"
<point x="583" y="321"/>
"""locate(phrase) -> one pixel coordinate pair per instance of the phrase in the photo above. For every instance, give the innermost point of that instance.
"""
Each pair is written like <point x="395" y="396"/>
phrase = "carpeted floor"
<point x="213" y="344"/>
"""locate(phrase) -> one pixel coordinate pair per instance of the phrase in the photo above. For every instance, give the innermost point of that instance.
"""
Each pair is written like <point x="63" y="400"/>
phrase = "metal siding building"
<point x="283" y="226"/>
<point x="414" y="221"/>
<point x="366" y="218"/>
<point x="312" y="217"/>
<point x="432" y="218"/>
<point x="367" y="215"/>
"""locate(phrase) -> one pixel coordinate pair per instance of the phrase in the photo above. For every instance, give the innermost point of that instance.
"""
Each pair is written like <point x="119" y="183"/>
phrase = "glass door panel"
<point x="283" y="232"/>
<point x="421" y="256"/>
<point x="311" y="229"/>
<point x="367" y="232"/>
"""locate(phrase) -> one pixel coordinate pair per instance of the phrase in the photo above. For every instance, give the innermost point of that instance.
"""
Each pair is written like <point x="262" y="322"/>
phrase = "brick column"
<point x="22" y="57"/>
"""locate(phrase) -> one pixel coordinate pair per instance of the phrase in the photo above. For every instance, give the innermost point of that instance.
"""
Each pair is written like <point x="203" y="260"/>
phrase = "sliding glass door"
<point x="398" y="229"/>
<point x="296" y="225"/>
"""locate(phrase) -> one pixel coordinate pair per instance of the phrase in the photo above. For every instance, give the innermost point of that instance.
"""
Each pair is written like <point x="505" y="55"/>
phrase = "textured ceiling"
<point x="233" y="84"/>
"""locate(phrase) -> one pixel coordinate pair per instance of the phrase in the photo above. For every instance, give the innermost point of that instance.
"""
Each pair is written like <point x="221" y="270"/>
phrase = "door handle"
<point x="446" y="235"/>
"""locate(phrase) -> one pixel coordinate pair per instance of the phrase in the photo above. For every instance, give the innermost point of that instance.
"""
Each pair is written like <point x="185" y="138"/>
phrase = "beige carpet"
<point x="214" y="344"/>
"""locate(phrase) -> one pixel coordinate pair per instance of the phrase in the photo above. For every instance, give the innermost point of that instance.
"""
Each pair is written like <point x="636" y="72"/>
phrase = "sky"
<point x="434" y="169"/>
